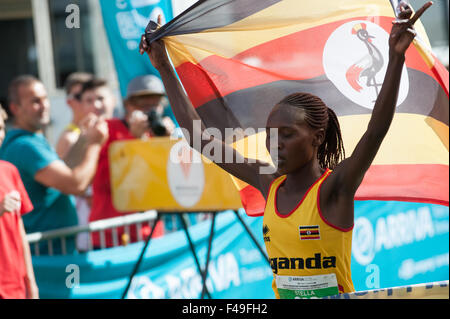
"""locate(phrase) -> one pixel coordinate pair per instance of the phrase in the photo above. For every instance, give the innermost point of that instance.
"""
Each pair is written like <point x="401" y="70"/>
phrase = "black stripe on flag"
<point x="250" y="108"/>
<point x="220" y="13"/>
<point x="309" y="227"/>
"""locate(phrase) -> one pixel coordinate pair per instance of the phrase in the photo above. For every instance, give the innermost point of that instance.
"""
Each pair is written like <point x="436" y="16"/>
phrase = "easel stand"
<point x="202" y="272"/>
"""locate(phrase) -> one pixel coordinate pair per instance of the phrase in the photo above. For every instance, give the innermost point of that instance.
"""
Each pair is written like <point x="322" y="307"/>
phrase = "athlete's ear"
<point x="319" y="137"/>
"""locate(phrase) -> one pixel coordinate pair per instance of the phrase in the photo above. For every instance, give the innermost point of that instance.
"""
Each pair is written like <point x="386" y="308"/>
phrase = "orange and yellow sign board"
<point x="167" y="175"/>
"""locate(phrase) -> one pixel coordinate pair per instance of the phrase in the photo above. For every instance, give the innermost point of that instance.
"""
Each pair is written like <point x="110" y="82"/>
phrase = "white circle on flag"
<point x="355" y="60"/>
<point x="185" y="174"/>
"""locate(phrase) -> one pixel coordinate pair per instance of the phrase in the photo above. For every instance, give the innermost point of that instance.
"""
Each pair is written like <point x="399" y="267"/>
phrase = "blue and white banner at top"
<point x="125" y="22"/>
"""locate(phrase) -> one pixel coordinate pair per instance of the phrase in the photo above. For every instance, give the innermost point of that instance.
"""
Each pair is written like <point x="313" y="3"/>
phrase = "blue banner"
<point x="399" y="243"/>
<point x="394" y="244"/>
<point x="237" y="269"/>
<point x="125" y="22"/>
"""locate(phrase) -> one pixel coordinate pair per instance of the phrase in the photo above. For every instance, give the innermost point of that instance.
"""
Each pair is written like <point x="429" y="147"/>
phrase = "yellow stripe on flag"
<point x="272" y="23"/>
<point x="412" y="139"/>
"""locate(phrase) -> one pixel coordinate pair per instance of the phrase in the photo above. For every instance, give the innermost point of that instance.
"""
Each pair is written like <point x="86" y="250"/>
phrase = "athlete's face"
<point x="297" y="141"/>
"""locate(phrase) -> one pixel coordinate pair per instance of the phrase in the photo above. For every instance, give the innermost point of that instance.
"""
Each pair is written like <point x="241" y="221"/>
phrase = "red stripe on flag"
<point x="216" y="76"/>
<point x="383" y="182"/>
<point x="304" y="238"/>
<point x="197" y="83"/>
<point x="415" y="61"/>
<point x="441" y="75"/>
<point x="425" y="183"/>
<point x="252" y="201"/>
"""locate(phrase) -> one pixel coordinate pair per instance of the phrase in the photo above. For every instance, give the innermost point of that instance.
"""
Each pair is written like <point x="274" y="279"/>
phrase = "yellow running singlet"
<point x="310" y="257"/>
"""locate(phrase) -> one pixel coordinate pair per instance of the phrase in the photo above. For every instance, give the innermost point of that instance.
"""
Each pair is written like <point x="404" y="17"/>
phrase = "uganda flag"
<point x="237" y="58"/>
<point x="309" y="232"/>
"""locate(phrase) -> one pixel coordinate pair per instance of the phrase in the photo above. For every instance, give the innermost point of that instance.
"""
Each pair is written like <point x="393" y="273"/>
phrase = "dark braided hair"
<point x="318" y="115"/>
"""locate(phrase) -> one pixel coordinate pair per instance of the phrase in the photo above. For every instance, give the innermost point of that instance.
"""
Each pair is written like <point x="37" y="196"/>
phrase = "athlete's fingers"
<point x="412" y="31"/>
<point x="405" y="11"/>
<point x="421" y="11"/>
<point x="405" y="14"/>
<point x="143" y="44"/>
<point x="400" y="21"/>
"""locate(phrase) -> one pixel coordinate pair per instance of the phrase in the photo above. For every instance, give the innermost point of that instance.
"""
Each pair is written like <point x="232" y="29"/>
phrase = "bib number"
<point x="298" y="287"/>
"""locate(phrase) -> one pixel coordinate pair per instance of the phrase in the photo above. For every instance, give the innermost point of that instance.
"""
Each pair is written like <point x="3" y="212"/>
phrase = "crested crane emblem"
<point x="369" y="65"/>
<point x="355" y="59"/>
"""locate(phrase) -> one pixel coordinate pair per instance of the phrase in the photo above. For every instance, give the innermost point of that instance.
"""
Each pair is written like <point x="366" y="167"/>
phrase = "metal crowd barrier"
<point x="431" y="290"/>
<point x="138" y="219"/>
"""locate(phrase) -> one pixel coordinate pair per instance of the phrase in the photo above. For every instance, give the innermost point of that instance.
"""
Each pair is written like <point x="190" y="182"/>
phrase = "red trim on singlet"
<point x="270" y="187"/>
<point x="341" y="289"/>
<point x="323" y="217"/>
<point x="298" y="205"/>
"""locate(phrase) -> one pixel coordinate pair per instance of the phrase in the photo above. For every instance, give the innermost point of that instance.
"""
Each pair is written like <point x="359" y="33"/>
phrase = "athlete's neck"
<point x="303" y="178"/>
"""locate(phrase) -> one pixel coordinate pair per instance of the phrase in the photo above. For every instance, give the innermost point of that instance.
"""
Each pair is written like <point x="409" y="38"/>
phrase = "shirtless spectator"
<point x="72" y="131"/>
<point x="98" y="100"/>
<point x="85" y="95"/>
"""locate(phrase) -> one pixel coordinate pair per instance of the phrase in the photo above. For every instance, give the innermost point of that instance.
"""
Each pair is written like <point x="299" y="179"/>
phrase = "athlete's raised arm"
<point x="349" y="174"/>
<point x="188" y="118"/>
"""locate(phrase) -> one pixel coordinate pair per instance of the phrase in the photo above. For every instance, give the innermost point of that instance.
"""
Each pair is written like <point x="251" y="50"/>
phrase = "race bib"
<point x="297" y="287"/>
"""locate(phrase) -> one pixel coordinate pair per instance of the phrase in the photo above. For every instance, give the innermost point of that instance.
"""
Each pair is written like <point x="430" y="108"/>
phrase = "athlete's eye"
<point x="287" y="134"/>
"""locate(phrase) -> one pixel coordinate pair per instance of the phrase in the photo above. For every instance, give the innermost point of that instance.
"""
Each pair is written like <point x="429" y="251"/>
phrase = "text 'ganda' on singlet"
<point x="310" y="257"/>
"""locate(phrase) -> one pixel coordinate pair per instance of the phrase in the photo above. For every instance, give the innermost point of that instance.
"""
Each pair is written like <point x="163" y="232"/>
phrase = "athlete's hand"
<point x="156" y="50"/>
<point x="403" y="33"/>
